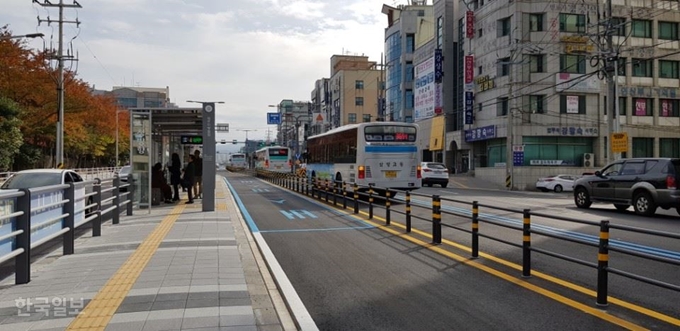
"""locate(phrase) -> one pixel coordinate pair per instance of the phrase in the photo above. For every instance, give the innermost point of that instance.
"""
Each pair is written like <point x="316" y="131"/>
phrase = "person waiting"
<point x="158" y="181"/>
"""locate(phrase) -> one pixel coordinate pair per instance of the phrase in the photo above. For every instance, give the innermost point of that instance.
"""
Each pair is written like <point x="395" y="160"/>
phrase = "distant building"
<point x="295" y="118"/>
<point x="142" y="97"/>
<point x="355" y="87"/>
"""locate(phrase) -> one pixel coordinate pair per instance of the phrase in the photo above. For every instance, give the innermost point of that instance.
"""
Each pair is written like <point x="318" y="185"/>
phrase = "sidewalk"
<point x="177" y="268"/>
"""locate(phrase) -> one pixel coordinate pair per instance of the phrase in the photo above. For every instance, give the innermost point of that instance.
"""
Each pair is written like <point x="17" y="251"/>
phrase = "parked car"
<point x="644" y="183"/>
<point x="557" y="183"/>
<point x="434" y="173"/>
<point x="124" y="173"/>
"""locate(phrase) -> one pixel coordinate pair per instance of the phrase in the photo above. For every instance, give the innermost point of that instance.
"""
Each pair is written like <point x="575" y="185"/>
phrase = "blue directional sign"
<point x="273" y="118"/>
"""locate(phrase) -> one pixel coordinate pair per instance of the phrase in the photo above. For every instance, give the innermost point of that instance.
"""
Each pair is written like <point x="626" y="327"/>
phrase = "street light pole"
<point x="208" y="180"/>
<point x="29" y="35"/>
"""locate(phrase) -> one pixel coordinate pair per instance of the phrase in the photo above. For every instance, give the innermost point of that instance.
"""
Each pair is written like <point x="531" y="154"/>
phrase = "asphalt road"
<point x="357" y="275"/>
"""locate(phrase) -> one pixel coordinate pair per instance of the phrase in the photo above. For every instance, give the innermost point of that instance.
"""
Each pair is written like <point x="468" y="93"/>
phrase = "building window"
<point x="359" y="101"/>
<point x="643" y="147"/>
<point x="642" y="28"/>
<point x="409" y="99"/>
<point x="410" y="43"/>
<point x="479" y="106"/>
<point x="572" y="104"/>
<point x="502" y="106"/>
<point x="669" y="69"/>
<point x="621" y="66"/>
<point x="536" y="22"/>
<point x="421" y="13"/>
<point x="623" y="106"/>
<point x="537" y="104"/>
<point x="479" y="70"/>
<point x="366" y="117"/>
<point x="409" y="71"/>
<point x="572" y="23"/>
<point x="480" y="33"/>
<point x="352" y="118"/>
<point x="669" y="147"/>
<point x="537" y="63"/>
<point x="440" y="31"/>
<point x="669" y="108"/>
<point x="504" y="66"/>
<point x="503" y="27"/>
<point x="642" y="67"/>
<point x="643" y="106"/>
<point x="619" y="26"/>
<point x="359" y="84"/>
<point x="668" y="30"/>
<point x="573" y="64"/>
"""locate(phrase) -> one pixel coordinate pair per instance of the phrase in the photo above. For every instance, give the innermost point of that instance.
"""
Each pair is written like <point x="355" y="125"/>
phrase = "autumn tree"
<point x="11" y="138"/>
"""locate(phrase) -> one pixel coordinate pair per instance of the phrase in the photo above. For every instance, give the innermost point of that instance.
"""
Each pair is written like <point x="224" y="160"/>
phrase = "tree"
<point x="11" y="138"/>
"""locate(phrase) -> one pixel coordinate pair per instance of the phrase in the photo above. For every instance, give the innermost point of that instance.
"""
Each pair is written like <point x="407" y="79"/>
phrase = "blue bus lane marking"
<point x="287" y="214"/>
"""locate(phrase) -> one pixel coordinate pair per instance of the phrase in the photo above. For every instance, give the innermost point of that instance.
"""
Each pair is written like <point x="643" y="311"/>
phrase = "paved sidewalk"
<point x="177" y="268"/>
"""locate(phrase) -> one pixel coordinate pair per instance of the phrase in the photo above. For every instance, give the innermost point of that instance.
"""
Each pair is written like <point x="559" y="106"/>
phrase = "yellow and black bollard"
<point x="326" y="189"/>
<point x="436" y="220"/>
<point x="526" y="243"/>
<point x="603" y="264"/>
<point x="408" y="211"/>
<point x="355" y="188"/>
<point x="475" y="229"/>
<point x="344" y="196"/>
<point x="387" y="207"/>
<point x="370" y="202"/>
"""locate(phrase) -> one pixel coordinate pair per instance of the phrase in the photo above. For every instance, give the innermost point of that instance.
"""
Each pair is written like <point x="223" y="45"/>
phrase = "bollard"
<point x="344" y="195"/>
<point x="526" y="243"/>
<point x="408" y="211"/>
<point x="69" y="221"/>
<point x="22" y="262"/>
<point x="387" y="207"/>
<point x="356" y="198"/>
<point x="370" y="201"/>
<point x="475" y="229"/>
<point x="115" y="219"/>
<point x="297" y="184"/>
<point x="326" y="189"/>
<point x="335" y="191"/>
<point x="603" y="264"/>
<point x="436" y="220"/>
<point x="130" y="196"/>
<point x="97" y="221"/>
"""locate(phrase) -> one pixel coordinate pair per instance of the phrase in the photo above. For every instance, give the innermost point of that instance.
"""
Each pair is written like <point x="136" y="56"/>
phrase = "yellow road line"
<point x="458" y="183"/>
<point x="100" y="310"/>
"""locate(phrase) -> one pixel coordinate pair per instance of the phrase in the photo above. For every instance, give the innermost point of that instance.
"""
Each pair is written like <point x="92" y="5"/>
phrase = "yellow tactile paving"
<point x="100" y="310"/>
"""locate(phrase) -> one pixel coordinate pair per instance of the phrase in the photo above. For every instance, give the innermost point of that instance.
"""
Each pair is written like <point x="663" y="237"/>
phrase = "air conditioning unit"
<point x="588" y="160"/>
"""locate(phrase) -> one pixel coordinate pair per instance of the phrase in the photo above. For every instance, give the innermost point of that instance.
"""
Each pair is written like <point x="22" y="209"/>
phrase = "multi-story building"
<point x="355" y="90"/>
<point x="321" y="107"/>
<point x="295" y="118"/>
<point x="141" y="97"/>
<point x="534" y="73"/>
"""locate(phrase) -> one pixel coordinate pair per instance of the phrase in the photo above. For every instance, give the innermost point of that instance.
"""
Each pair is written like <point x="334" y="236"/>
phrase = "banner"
<point x="572" y="104"/>
<point x="640" y="107"/>
<point x="424" y="91"/>
<point x="469" y="99"/>
<point x="470" y="24"/>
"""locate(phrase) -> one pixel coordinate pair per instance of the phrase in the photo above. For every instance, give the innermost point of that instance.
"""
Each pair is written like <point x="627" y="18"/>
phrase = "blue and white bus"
<point x="384" y="154"/>
<point x="237" y="161"/>
<point x="273" y="158"/>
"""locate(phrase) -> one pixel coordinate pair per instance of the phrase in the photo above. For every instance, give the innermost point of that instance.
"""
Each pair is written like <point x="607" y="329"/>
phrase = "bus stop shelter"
<point x="157" y="133"/>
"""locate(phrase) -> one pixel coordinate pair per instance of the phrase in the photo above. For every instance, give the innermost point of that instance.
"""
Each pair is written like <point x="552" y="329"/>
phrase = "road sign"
<point x="222" y="127"/>
<point x="619" y="142"/>
<point x="518" y="158"/>
<point x="297" y="156"/>
<point x="273" y="118"/>
<point x="192" y="140"/>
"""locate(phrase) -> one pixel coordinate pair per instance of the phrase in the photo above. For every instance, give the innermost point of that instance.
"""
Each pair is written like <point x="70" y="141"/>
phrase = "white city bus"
<point x="273" y="158"/>
<point x="384" y="154"/>
<point x="237" y="161"/>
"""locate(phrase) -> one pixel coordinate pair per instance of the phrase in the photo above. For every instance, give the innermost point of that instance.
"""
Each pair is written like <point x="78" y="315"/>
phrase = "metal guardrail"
<point x="32" y="217"/>
<point x="342" y="193"/>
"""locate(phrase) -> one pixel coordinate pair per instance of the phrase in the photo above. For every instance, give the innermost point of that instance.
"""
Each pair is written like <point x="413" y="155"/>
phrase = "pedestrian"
<point x="158" y="181"/>
<point x="190" y="177"/>
<point x="175" y="175"/>
<point x="198" y="175"/>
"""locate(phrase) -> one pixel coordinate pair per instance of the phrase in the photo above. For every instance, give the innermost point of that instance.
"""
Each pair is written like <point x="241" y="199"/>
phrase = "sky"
<point x="247" y="53"/>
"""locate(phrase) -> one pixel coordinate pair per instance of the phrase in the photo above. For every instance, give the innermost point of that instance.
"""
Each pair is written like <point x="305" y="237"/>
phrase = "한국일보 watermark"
<point x="49" y="306"/>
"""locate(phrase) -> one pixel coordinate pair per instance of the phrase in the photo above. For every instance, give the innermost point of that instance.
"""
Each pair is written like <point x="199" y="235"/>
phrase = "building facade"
<point x="295" y="118"/>
<point x="355" y="89"/>
<point x="538" y="103"/>
<point x="141" y="97"/>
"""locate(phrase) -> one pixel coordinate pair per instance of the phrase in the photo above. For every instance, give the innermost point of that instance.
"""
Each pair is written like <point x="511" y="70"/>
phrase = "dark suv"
<point x="645" y="183"/>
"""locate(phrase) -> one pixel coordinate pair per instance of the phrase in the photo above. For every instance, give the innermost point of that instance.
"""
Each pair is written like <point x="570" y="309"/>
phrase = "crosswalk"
<point x="297" y="214"/>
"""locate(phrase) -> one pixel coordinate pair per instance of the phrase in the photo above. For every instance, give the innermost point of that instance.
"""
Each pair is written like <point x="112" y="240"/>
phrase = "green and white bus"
<point x="273" y="158"/>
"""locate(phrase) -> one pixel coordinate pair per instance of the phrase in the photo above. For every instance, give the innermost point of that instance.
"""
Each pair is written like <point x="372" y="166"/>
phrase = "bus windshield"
<point x="394" y="133"/>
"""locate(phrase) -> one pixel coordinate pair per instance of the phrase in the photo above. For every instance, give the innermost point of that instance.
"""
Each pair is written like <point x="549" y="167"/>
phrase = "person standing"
<point x="175" y="175"/>
<point x="198" y="175"/>
<point x="190" y="177"/>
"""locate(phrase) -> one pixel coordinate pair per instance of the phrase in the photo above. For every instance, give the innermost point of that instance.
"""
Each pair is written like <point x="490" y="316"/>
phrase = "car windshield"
<point x="435" y="166"/>
<point x="124" y="171"/>
<point x="31" y="180"/>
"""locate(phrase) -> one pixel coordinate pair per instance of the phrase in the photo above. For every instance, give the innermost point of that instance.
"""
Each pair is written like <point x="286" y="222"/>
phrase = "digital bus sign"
<point x="192" y="140"/>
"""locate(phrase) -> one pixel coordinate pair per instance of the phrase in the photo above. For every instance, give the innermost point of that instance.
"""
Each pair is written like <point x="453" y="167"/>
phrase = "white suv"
<point x="434" y="173"/>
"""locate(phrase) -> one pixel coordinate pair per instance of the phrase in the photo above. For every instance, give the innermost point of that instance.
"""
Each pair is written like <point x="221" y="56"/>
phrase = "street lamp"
<point x="29" y="35"/>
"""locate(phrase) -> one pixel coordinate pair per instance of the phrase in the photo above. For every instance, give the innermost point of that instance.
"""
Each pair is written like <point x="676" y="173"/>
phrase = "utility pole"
<point x="509" y="162"/>
<point x="611" y="68"/>
<point x="60" y="60"/>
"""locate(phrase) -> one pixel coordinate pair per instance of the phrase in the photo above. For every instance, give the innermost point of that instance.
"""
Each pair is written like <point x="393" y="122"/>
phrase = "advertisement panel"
<point x="470" y="24"/>
<point x="483" y="133"/>
<point x="469" y="99"/>
<point x="438" y="65"/>
<point x="572" y="104"/>
<point x="640" y="107"/>
<point x="424" y="94"/>
<point x="469" y="72"/>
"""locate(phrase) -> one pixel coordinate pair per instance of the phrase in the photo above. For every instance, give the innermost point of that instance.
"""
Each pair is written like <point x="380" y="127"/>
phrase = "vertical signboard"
<point x="424" y="94"/>
<point x="469" y="72"/>
<point x="470" y="24"/>
<point x="572" y="104"/>
<point x="438" y="65"/>
<point x="208" y="180"/>
<point x="140" y="156"/>
<point x="469" y="98"/>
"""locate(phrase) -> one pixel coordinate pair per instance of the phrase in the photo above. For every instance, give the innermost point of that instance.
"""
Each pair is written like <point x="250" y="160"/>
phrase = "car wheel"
<point x="582" y="198"/>
<point x="558" y="188"/>
<point x="644" y="204"/>
<point x="621" y="207"/>
<point x="444" y="185"/>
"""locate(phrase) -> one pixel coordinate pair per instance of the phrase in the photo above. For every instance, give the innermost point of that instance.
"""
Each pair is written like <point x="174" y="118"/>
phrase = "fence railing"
<point x="353" y="195"/>
<point x="31" y="217"/>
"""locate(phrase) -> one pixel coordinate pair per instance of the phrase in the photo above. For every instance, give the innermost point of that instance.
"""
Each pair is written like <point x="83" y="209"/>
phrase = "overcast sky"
<point x="247" y="53"/>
